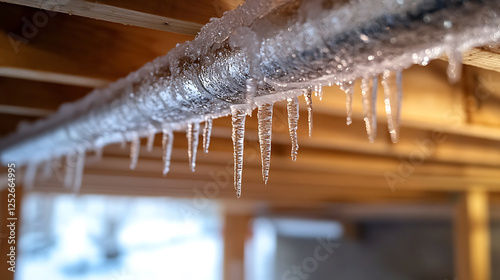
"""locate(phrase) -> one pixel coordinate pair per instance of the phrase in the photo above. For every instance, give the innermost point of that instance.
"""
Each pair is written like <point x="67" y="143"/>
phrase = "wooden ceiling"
<point x="449" y="137"/>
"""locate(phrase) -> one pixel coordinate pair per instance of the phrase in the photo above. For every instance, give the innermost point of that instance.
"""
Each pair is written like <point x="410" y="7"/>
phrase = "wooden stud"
<point x="472" y="236"/>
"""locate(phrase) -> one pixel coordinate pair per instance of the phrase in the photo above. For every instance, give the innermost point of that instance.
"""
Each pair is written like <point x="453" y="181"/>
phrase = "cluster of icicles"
<point x="392" y="88"/>
<point x="392" y="84"/>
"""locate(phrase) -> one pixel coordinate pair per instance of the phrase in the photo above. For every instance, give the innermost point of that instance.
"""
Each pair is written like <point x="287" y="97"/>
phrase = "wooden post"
<point x="236" y="229"/>
<point x="472" y="236"/>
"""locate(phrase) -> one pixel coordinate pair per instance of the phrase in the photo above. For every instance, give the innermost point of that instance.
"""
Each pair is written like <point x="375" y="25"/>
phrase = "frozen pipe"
<point x="262" y="52"/>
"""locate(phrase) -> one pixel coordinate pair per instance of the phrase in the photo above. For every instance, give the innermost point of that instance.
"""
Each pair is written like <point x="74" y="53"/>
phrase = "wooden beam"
<point x="484" y="57"/>
<point x="74" y="50"/>
<point x="51" y="77"/>
<point x="236" y="231"/>
<point x="184" y="17"/>
<point x="472" y="236"/>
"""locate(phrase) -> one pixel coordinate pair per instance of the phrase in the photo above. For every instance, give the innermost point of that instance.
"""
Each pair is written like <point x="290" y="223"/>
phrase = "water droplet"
<point x="265" y="117"/>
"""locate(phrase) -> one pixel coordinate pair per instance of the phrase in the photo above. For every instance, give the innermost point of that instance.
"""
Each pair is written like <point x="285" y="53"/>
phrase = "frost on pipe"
<point x="262" y="52"/>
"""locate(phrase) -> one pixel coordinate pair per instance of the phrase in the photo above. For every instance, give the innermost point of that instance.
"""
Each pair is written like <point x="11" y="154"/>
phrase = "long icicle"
<point x="348" y="88"/>
<point x="192" y="135"/>
<point x="80" y="165"/>
<point x="167" y="143"/>
<point x="265" y="117"/>
<point x="292" y="107"/>
<point x="392" y="83"/>
<point x="307" y="97"/>
<point x="207" y="132"/>
<point x="238" y="136"/>
<point x="135" y="146"/>
<point x="369" y="92"/>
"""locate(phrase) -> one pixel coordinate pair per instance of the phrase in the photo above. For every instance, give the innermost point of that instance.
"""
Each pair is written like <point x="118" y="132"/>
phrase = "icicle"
<point x="135" y="146"/>
<point x="318" y="91"/>
<point x="123" y="144"/>
<point x="80" y="165"/>
<point x="392" y="83"/>
<point x="369" y="92"/>
<point x="308" y="99"/>
<point x="151" y="141"/>
<point x="251" y="86"/>
<point x="167" y="143"/>
<point x="29" y="176"/>
<point x="69" y="171"/>
<point x="454" y="70"/>
<point x="238" y="136"/>
<point x="293" y="120"/>
<point x="207" y="132"/>
<point x="348" y="88"/>
<point x="47" y="170"/>
<point x="192" y="135"/>
<point x="98" y="153"/>
<point x="265" y="117"/>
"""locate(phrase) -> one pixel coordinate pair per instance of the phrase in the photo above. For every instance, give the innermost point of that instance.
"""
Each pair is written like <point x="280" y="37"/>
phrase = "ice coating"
<point x="300" y="45"/>
<point x="151" y="141"/>
<point x="369" y="95"/>
<point x="192" y="134"/>
<point x="135" y="147"/>
<point x="207" y="132"/>
<point x="348" y="88"/>
<point x="238" y="116"/>
<point x="308" y="98"/>
<point x="292" y="107"/>
<point x="265" y="118"/>
<point x="167" y="143"/>
<point x="393" y="94"/>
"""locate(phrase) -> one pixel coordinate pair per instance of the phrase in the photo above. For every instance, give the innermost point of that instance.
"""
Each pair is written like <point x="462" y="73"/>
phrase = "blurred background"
<point x="427" y="207"/>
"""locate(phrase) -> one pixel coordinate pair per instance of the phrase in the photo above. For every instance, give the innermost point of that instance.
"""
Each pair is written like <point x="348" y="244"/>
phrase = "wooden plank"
<point x="184" y="17"/>
<point x="236" y="231"/>
<point x="484" y="57"/>
<point x="75" y="50"/>
<point x="51" y="77"/>
<point x="38" y="95"/>
<point x="472" y="236"/>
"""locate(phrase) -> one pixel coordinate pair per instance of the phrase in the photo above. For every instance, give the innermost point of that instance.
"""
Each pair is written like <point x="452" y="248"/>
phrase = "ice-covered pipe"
<point x="262" y="52"/>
